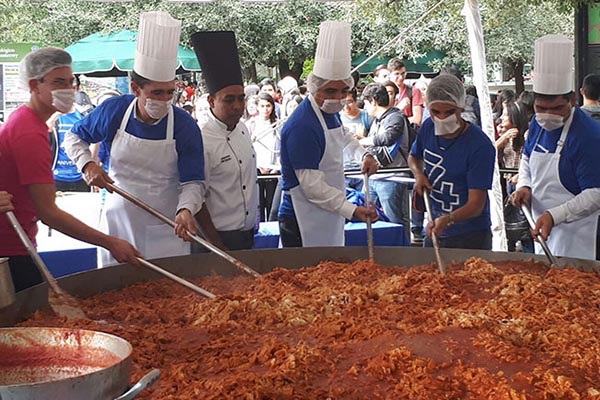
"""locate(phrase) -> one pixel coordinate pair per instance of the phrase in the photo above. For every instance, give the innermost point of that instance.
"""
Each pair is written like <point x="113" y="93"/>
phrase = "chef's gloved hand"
<point x="95" y="175"/>
<point x="369" y="165"/>
<point x="123" y="251"/>
<point x="363" y="213"/>
<point x="185" y="222"/>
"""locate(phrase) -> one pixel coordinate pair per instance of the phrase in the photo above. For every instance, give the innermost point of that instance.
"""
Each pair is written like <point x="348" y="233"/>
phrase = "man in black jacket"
<point x="388" y="142"/>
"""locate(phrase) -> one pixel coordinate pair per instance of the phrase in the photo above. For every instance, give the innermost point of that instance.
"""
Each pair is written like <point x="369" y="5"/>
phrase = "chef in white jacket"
<point x="229" y="214"/>
<point x="313" y="144"/>
<point x="156" y="150"/>
<point x="558" y="173"/>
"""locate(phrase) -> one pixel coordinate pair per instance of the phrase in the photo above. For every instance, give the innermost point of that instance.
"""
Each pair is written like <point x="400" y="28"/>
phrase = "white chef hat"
<point x="157" y="46"/>
<point x="332" y="59"/>
<point x="554" y="66"/>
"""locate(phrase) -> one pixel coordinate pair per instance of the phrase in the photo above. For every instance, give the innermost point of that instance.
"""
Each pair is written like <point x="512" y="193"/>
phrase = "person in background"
<point x="526" y="99"/>
<point x="314" y="205"/>
<point x="292" y="102"/>
<point x="513" y="131"/>
<point x="357" y="121"/>
<point x="381" y="73"/>
<point x="6" y="202"/>
<point x="558" y="174"/>
<point x="81" y="98"/>
<point x="388" y="143"/>
<point x="455" y="161"/>
<point x="250" y="110"/>
<point x="590" y="91"/>
<point x="66" y="175"/>
<point x="266" y="143"/>
<point x="410" y="99"/>
<point x="268" y="86"/>
<point x="155" y="149"/>
<point x="504" y="97"/>
<point x="202" y="108"/>
<point x="26" y="170"/>
<point x="231" y="208"/>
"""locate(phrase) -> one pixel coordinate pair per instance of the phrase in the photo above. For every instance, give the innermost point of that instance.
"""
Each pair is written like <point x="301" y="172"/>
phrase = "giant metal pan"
<point x="194" y="266"/>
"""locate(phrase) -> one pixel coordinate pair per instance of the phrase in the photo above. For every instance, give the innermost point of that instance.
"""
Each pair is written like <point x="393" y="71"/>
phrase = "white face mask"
<point x="549" y="122"/>
<point x="332" y="106"/>
<point x="446" y="126"/>
<point x="63" y="99"/>
<point x="157" y="109"/>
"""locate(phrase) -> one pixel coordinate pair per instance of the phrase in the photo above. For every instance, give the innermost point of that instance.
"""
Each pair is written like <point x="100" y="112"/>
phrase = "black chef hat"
<point x="217" y="54"/>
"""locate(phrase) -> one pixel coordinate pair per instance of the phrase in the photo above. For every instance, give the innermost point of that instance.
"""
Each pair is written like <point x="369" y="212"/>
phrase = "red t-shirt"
<point x="25" y="159"/>
<point x="417" y="99"/>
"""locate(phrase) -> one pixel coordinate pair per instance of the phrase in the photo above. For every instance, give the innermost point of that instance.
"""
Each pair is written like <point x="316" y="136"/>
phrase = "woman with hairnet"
<point x="26" y="166"/>
<point x="313" y="141"/>
<point x="455" y="161"/>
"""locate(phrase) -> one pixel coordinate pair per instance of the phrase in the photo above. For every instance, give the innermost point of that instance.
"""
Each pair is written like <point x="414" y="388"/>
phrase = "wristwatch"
<point x="451" y="220"/>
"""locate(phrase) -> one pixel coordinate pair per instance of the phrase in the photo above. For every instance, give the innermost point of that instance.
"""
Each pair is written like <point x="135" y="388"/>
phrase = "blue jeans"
<point x="394" y="198"/>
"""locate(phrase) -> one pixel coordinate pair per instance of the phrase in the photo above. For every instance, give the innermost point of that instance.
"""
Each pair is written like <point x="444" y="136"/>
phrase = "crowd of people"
<point x="196" y="152"/>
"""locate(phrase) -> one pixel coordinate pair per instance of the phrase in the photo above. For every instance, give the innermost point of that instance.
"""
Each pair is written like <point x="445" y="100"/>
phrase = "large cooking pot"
<point x="197" y="265"/>
<point x="66" y="364"/>
<point x="56" y="363"/>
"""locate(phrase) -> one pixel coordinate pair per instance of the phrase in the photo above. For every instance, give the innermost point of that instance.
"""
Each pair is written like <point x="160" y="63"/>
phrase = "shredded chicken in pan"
<point x="502" y="330"/>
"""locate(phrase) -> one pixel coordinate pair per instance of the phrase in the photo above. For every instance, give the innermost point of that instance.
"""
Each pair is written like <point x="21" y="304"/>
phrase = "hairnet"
<point x="39" y="62"/>
<point x="446" y="88"/>
<point x="314" y="83"/>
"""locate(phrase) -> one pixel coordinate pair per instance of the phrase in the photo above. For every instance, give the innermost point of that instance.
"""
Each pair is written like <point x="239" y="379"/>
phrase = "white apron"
<point x="574" y="239"/>
<point x="319" y="227"/>
<point x="148" y="170"/>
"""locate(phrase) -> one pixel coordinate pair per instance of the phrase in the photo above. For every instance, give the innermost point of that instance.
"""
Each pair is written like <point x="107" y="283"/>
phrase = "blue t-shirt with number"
<point x="454" y="166"/>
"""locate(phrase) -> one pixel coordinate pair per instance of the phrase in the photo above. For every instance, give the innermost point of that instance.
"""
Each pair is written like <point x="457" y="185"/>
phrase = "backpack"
<point x="385" y="155"/>
<point x="413" y="130"/>
<point x="469" y="113"/>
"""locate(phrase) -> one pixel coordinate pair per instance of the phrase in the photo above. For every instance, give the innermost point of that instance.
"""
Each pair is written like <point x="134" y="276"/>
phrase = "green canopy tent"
<point x="111" y="55"/>
<point x="414" y="68"/>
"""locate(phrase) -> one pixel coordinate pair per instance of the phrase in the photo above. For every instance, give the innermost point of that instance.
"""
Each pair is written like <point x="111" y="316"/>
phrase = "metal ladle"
<point x="436" y="244"/>
<point x="527" y="212"/>
<point x="237" y="263"/>
<point x="62" y="303"/>
<point x="369" y="222"/>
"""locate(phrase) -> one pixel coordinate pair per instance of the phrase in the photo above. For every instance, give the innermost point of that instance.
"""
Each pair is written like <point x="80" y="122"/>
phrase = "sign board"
<point x="11" y="93"/>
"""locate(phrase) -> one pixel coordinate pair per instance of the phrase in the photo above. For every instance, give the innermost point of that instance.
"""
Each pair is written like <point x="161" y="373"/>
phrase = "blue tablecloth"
<point x="384" y="234"/>
<point x="70" y="261"/>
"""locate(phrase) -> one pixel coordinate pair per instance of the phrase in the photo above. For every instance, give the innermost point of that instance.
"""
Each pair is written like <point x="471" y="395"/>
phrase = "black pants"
<point x="266" y="191"/>
<point x="479" y="240"/>
<point x="273" y="216"/>
<point x="289" y="232"/>
<point x="78" y="186"/>
<point x="24" y="272"/>
<point x="233" y="240"/>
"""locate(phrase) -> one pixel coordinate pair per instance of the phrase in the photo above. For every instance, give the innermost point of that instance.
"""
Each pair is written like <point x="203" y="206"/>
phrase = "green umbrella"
<point x="113" y="55"/>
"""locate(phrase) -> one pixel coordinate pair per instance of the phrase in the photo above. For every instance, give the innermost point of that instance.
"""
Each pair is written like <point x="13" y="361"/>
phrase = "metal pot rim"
<point x="128" y="347"/>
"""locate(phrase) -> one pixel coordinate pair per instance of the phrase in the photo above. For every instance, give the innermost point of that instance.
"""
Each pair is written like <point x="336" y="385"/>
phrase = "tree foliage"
<point x="284" y="34"/>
